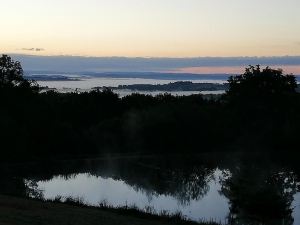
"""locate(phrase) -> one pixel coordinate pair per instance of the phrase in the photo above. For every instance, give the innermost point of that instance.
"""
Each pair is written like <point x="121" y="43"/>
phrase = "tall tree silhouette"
<point x="261" y="83"/>
<point x="11" y="74"/>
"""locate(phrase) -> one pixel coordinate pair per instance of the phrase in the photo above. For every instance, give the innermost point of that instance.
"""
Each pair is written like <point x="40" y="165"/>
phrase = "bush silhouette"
<point x="261" y="83"/>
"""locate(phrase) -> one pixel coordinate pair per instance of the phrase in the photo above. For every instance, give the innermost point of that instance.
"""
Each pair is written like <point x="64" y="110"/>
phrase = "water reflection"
<point x="234" y="192"/>
<point x="117" y="193"/>
<point x="259" y="194"/>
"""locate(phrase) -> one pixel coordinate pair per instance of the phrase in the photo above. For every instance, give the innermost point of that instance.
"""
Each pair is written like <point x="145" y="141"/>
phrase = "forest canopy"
<point x="260" y="112"/>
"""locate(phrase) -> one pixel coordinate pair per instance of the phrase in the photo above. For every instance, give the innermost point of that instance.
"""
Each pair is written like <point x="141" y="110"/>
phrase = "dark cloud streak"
<point x="123" y="64"/>
<point x="33" y="49"/>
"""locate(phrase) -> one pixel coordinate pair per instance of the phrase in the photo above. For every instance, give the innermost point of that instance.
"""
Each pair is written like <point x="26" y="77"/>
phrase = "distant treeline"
<point x="51" y="78"/>
<point x="259" y="112"/>
<point x="176" y="86"/>
<point x="55" y="125"/>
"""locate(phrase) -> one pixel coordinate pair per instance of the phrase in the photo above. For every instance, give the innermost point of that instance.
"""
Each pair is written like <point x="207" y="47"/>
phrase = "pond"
<point x="246" y="191"/>
<point x="94" y="190"/>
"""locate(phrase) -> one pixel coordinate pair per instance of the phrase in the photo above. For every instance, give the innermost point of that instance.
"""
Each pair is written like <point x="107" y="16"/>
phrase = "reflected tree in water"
<point x="172" y="177"/>
<point x="184" y="184"/>
<point x="259" y="194"/>
<point x="32" y="189"/>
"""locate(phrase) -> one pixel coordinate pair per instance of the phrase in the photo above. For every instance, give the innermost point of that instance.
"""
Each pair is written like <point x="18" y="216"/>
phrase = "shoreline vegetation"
<point x="175" y="86"/>
<point x="142" y="173"/>
<point x="179" y="86"/>
<point x="15" y="211"/>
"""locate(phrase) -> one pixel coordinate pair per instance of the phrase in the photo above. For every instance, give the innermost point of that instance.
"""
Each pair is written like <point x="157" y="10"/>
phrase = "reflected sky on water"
<point x="117" y="193"/>
<point x="235" y="192"/>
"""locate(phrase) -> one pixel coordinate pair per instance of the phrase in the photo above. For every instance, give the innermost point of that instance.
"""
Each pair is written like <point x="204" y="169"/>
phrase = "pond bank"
<point x="19" y="211"/>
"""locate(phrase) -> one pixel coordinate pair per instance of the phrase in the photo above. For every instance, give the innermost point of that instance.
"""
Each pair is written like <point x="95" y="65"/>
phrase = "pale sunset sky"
<point x="151" y="28"/>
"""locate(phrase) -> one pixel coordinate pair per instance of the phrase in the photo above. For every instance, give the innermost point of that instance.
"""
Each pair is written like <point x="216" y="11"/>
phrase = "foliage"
<point x="260" y="113"/>
<point x="261" y="83"/>
<point x="11" y="75"/>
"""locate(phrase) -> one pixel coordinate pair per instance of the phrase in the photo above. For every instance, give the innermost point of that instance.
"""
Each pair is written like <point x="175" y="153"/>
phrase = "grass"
<point x="19" y="211"/>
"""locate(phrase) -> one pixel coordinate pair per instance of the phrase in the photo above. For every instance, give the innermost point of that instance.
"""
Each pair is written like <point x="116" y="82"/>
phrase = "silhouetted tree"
<point x="11" y="74"/>
<point x="264" y="116"/>
<point x="260" y="83"/>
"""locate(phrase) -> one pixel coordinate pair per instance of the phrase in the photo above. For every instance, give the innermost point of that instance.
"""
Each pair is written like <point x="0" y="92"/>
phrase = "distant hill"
<point x="176" y="86"/>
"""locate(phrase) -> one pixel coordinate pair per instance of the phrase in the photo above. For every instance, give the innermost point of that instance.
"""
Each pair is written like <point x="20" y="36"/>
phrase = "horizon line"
<point x="151" y="57"/>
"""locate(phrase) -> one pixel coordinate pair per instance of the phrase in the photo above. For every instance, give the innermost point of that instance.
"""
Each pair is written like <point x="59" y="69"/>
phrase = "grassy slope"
<point x="19" y="211"/>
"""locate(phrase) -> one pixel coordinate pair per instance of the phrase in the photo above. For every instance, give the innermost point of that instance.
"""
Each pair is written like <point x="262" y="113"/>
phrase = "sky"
<point x="150" y="28"/>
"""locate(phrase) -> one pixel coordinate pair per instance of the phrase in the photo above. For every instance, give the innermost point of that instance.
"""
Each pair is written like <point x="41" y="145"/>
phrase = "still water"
<point x="85" y="84"/>
<point x="117" y="193"/>
<point x="198" y="189"/>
